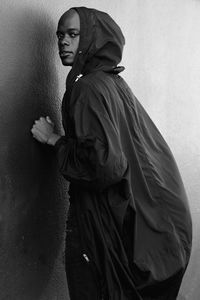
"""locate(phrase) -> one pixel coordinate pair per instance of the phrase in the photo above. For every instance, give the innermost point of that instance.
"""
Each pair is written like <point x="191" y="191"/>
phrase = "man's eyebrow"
<point x="68" y="29"/>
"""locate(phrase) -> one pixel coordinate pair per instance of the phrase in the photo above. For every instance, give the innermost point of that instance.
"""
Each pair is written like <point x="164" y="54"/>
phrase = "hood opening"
<point x="101" y="44"/>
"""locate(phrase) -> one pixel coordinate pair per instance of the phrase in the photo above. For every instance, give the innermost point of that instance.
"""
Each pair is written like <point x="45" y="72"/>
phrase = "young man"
<point x="129" y="225"/>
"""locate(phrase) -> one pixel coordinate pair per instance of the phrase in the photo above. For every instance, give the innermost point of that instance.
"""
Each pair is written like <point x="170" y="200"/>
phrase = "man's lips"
<point x="64" y="53"/>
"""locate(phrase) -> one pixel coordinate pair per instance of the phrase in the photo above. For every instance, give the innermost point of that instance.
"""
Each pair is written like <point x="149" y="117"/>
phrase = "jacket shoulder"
<point x="94" y="81"/>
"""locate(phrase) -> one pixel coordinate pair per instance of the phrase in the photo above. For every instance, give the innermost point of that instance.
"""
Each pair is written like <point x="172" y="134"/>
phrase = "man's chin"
<point x="66" y="62"/>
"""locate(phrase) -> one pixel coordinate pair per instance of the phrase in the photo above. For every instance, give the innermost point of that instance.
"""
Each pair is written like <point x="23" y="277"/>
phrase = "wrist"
<point x="53" y="139"/>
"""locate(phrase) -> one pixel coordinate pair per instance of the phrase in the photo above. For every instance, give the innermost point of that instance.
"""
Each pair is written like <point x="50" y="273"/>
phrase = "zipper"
<point x="90" y="263"/>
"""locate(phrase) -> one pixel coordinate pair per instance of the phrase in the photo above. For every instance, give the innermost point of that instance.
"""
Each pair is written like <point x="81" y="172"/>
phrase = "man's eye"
<point x="59" y="36"/>
<point x="73" y="34"/>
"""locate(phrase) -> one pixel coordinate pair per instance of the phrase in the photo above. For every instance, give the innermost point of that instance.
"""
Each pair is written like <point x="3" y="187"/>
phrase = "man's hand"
<point x="43" y="131"/>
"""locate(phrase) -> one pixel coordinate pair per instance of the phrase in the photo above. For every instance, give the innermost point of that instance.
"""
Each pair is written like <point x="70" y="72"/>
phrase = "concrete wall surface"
<point x="162" y="60"/>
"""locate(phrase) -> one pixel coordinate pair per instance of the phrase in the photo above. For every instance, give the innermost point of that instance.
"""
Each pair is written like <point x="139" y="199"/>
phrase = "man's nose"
<point x="65" y="41"/>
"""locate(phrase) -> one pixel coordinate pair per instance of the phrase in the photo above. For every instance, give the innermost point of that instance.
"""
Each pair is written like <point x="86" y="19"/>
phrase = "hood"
<point x="101" y="44"/>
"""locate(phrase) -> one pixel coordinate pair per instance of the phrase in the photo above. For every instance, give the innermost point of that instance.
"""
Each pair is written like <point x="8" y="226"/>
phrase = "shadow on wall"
<point x="32" y="209"/>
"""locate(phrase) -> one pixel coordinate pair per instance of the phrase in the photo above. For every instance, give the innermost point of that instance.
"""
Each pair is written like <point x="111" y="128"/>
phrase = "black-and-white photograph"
<point x="99" y="151"/>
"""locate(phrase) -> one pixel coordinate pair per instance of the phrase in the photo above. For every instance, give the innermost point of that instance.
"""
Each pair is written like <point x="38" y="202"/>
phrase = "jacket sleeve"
<point x="93" y="158"/>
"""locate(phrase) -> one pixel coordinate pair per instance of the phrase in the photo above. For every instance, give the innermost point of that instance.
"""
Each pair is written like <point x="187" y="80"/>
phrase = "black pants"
<point x="83" y="281"/>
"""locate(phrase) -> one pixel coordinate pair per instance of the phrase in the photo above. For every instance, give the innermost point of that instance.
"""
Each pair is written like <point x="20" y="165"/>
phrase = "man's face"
<point x="68" y="33"/>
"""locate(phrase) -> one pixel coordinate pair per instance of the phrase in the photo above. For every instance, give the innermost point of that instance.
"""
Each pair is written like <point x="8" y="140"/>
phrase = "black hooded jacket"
<point x="125" y="185"/>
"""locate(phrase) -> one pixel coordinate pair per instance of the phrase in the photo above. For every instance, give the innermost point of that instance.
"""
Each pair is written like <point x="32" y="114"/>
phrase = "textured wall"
<point x="32" y="207"/>
<point x="162" y="66"/>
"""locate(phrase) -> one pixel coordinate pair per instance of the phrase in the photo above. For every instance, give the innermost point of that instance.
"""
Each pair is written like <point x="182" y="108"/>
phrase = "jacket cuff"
<point x="62" y="140"/>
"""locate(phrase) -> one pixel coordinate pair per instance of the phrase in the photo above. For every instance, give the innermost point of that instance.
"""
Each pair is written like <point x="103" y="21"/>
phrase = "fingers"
<point x="39" y="139"/>
<point x="42" y="129"/>
<point x="44" y="124"/>
<point x="38" y="135"/>
<point x="40" y="120"/>
<point x="43" y="120"/>
<point x="49" y="120"/>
